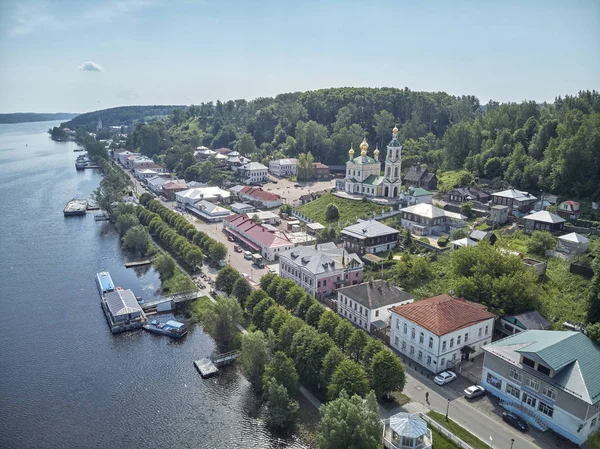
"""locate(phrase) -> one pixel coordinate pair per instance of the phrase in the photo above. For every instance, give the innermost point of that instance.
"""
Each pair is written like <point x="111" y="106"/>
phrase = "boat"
<point x="171" y="328"/>
<point x="104" y="283"/>
<point x="75" y="207"/>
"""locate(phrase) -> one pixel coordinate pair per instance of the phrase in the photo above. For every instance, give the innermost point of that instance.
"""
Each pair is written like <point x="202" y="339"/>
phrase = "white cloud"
<point x="90" y="66"/>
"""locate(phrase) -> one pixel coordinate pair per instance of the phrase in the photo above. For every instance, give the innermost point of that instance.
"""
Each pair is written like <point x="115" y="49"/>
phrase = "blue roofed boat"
<point x="171" y="328"/>
<point x="104" y="283"/>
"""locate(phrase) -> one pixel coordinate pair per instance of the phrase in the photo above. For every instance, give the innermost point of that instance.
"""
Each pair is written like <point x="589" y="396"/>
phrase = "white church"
<point x="363" y="173"/>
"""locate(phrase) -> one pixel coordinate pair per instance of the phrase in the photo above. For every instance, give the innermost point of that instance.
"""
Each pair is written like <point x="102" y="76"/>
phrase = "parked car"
<point x="230" y="238"/>
<point x="444" y="377"/>
<point x="237" y="249"/>
<point x="515" y="421"/>
<point x="474" y="391"/>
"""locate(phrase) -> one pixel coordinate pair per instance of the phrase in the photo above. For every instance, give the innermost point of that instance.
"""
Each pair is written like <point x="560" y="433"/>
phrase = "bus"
<point x="258" y="260"/>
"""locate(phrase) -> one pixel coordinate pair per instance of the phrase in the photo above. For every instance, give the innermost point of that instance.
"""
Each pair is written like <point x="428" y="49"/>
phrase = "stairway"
<point x="532" y="417"/>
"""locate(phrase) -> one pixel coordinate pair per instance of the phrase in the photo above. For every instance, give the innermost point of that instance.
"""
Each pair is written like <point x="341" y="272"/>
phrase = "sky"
<point x="81" y="55"/>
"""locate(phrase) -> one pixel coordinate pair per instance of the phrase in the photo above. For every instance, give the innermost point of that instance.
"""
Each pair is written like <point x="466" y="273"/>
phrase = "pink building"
<point x="321" y="270"/>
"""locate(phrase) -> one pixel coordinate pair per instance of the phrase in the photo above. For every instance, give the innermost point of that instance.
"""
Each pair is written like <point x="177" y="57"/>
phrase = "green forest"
<point x="123" y="115"/>
<point x="23" y="117"/>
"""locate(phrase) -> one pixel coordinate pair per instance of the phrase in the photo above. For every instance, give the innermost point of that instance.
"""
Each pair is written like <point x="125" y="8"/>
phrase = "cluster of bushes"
<point x="443" y="241"/>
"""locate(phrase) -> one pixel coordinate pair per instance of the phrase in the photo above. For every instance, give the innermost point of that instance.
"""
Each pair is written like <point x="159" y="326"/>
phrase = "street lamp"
<point x="512" y="441"/>
<point x="447" y="409"/>
<point x="491" y="442"/>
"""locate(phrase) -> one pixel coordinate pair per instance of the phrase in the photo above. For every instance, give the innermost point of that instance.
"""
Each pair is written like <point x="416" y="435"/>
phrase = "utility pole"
<point x="447" y="409"/>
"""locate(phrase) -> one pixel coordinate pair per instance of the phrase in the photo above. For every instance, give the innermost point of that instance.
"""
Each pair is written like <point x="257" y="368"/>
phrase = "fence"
<point x="300" y="216"/>
<point x="441" y="429"/>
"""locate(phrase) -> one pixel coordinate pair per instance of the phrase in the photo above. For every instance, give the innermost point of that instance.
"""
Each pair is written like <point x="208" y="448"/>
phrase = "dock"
<point x="75" y="207"/>
<point x="171" y="301"/>
<point x="210" y="366"/>
<point x="138" y="263"/>
<point x="102" y="216"/>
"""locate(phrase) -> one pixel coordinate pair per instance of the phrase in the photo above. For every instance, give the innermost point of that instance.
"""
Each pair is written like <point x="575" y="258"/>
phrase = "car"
<point x="237" y="249"/>
<point x="274" y="181"/>
<point x="444" y="377"/>
<point x="515" y="421"/>
<point x="231" y="239"/>
<point x="474" y="391"/>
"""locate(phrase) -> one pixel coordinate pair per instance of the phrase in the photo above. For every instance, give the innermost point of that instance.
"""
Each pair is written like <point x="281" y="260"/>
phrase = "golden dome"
<point x="364" y="146"/>
<point x="376" y="152"/>
<point x="395" y="130"/>
<point x="351" y="152"/>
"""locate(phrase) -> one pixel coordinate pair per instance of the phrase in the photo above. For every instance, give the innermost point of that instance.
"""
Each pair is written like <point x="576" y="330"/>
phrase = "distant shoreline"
<point x="30" y="117"/>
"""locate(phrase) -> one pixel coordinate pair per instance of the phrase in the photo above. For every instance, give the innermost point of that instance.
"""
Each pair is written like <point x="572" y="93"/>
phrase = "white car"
<point x="474" y="391"/>
<point x="444" y="377"/>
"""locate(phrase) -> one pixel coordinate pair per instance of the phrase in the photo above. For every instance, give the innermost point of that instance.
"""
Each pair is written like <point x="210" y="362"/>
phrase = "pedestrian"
<point x="427" y="397"/>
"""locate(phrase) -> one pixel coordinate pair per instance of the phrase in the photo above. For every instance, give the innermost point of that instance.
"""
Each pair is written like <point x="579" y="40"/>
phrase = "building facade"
<point x="441" y="331"/>
<point x="518" y="202"/>
<point x="426" y="219"/>
<point x="548" y="378"/>
<point x="283" y="167"/>
<point x="419" y="176"/>
<point x="369" y="237"/>
<point x="543" y="221"/>
<point x="253" y="173"/>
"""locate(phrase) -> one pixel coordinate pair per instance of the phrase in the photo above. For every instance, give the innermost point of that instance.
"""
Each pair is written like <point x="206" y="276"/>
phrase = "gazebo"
<point x="572" y="243"/>
<point x="406" y="431"/>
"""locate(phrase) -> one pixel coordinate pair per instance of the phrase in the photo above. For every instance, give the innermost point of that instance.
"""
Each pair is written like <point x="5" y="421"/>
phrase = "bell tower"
<point x="393" y="160"/>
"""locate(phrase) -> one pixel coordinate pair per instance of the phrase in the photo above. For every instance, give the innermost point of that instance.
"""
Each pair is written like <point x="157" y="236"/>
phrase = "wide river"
<point x="65" y="380"/>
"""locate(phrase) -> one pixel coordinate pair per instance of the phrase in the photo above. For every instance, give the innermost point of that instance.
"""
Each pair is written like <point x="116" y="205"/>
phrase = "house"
<point x="420" y="177"/>
<point x="155" y="184"/>
<point x="208" y="211"/>
<point x="543" y="221"/>
<point x="513" y="324"/>
<point x="569" y="210"/>
<point x="253" y="173"/>
<point x="320" y="270"/>
<point x="226" y="151"/>
<point x="313" y="228"/>
<point x="264" y="217"/>
<point x="439" y="332"/>
<point x="144" y="174"/>
<point x="406" y="431"/>
<point x="123" y="155"/>
<point x="518" y="202"/>
<point x="308" y="197"/>
<point x="462" y="243"/>
<point x="461" y="195"/>
<point x="122" y="310"/>
<point x="548" y="378"/>
<point x="321" y="171"/>
<point x="426" y="219"/>
<point x="203" y="153"/>
<point x="480" y="236"/>
<point x="572" y="244"/>
<point x="369" y="237"/>
<point x="259" y="197"/>
<point x="498" y="214"/>
<point x="368" y="305"/>
<point x="208" y="193"/>
<point x="170" y="188"/>
<point x="147" y="164"/>
<point x="283" y="167"/>
<point x="242" y="208"/>
<point x="417" y="195"/>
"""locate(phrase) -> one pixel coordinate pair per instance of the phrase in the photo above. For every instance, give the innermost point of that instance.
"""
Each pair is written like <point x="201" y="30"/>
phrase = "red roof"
<point x="443" y="314"/>
<point x="172" y="185"/>
<point x="259" y="194"/>
<point x="256" y="232"/>
<point x="319" y="165"/>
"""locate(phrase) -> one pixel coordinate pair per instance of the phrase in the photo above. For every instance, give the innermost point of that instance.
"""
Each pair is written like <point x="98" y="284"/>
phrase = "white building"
<point x="242" y="208"/>
<point x="155" y="184"/>
<point x="426" y="219"/>
<point x="363" y="173"/>
<point x="283" y="167"/>
<point x="369" y="237"/>
<point x="264" y="216"/>
<point x="208" y="211"/>
<point x="417" y="195"/>
<point x="213" y="194"/>
<point x="253" y="173"/>
<point x="368" y="305"/>
<point x="438" y="332"/>
<point x="144" y="174"/>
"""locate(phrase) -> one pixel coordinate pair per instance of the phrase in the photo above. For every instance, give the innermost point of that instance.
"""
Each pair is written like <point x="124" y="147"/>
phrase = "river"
<point x="65" y="380"/>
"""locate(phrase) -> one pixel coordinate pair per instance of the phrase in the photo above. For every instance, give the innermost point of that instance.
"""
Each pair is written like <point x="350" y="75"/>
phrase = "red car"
<point x="237" y="249"/>
<point x="231" y="239"/>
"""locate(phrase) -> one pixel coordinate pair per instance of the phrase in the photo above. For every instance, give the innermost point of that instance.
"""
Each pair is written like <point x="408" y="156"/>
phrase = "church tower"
<point x="393" y="160"/>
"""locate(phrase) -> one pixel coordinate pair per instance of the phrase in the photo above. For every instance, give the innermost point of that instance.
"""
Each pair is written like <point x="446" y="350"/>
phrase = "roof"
<point x="572" y="355"/>
<point x="478" y="235"/>
<point x="241" y="206"/>
<point x="373" y="180"/>
<point x="469" y="193"/>
<point x="376" y="294"/>
<point x="419" y="191"/>
<point x="325" y="258"/>
<point x="122" y="302"/>
<point x="106" y="282"/>
<point x="259" y="194"/>
<point x="157" y="181"/>
<point x="443" y="314"/>
<point x="203" y="193"/>
<point x="253" y="166"/>
<point x="315" y="226"/>
<point x="464" y="242"/>
<point x="424" y="210"/>
<point x="174" y="185"/>
<point x="367" y="229"/>
<point x="289" y="161"/>
<point x="237" y="189"/>
<point x="409" y="425"/>
<point x="210" y="208"/>
<point x="531" y="320"/>
<point x="262" y="214"/>
<point x="257" y="233"/>
<point x="544" y="216"/>
<point x="574" y="237"/>
<point x="515" y="194"/>
<point x="415" y="174"/>
<point x="361" y="160"/>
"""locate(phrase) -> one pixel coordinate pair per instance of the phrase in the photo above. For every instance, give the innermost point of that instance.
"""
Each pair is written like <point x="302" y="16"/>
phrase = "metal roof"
<point x="545" y="217"/>
<point x="425" y="210"/>
<point x="531" y="320"/>
<point x="122" y="302"/>
<point x="574" y="237"/>
<point x="324" y="258"/>
<point x="376" y="294"/>
<point x="409" y="425"/>
<point x="367" y="229"/>
<point x="515" y="194"/>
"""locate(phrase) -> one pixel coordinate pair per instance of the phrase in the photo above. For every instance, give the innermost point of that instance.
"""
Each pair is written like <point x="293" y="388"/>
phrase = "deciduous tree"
<point x="387" y="373"/>
<point x="349" y="376"/>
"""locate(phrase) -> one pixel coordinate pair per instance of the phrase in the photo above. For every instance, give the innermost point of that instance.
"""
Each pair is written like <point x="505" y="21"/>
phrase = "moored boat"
<point x="171" y="328"/>
<point x="104" y="283"/>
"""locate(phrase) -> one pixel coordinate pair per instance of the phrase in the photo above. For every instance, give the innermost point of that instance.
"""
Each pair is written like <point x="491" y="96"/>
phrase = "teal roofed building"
<point x="363" y="173"/>
<point x="549" y="378"/>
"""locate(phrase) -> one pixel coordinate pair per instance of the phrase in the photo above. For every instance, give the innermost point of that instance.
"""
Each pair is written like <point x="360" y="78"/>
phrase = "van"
<point x="247" y="255"/>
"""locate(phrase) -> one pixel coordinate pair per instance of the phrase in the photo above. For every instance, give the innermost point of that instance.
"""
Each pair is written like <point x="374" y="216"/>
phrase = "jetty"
<point x="102" y="216"/>
<point x="210" y="366"/>
<point x="138" y="263"/>
<point x="75" y="207"/>
<point x="168" y="302"/>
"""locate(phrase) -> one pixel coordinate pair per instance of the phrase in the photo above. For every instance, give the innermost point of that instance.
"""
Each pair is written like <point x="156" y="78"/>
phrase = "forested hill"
<point x="123" y="115"/>
<point x="22" y="117"/>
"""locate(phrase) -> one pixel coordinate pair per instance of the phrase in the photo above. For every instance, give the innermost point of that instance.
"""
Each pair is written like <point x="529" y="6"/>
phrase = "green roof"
<point x="419" y="191"/>
<point x="572" y="355"/>
<point x="367" y="160"/>
<point x="373" y="180"/>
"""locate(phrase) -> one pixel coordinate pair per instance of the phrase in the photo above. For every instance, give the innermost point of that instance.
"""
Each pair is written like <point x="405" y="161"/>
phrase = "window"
<point x="360" y="309"/>
<point x="405" y="328"/>
<point x="516" y="375"/>
<point x="458" y="341"/>
<point x="396" y="340"/>
<point x="466" y="338"/>
<point x="420" y="355"/>
<point x="593" y="423"/>
<point x="318" y="283"/>
<point x="412" y="350"/>
<point x="543" y="369"/>
<point x="429" y="360"/>
<point x="479" y="335"/>
<point x="360" y="322"/>
<point x="528" y="362"/>
<point x="513" y="391"/>
<point x="430" y="342"/>
<point x="376" y="313"/>
<point x="421" y="338"/>
<point x="546" y="409"/>
<point x="493" y="381"/>
<point x="412" y="333"/>
<point x="549" y="392"/>
<point x="325" y="283"/>
<point x="487" y="328"/>
<point x="397" y="324"/>
<point x="404" y="346"/>
<point x="533" y="383"/>
<point x="442" y="362"/>
<point x="529" y="400"/>
<point x="443" y="346"/>
<point x="452" y="342"/>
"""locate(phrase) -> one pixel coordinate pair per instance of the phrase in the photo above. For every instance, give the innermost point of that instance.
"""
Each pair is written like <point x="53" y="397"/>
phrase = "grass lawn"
<point x="397" y="399"/>
<point x="197" y="308"/>
<point x="441" y="442"/>
<point x="349" y="210"/>
<point x="457" y="430"/>
<point x="177" y="283"/>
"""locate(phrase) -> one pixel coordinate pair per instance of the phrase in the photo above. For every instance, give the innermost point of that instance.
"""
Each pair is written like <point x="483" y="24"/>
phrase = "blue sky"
<point x="78" y="56"/>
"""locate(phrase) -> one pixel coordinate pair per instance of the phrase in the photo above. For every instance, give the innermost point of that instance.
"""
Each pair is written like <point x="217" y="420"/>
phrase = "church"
<point x="363" y="173"/>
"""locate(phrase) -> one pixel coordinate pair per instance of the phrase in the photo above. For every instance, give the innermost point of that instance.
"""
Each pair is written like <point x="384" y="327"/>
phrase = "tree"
<point x="343" y="333"/>
<point x="334" y="357"/>
<point x="384" y="122"/>
<point x="328" y="323"/>
<point x="259" y="311"/>
<point x="241" y="290"/>
<point x="350" y="423"/>
<point x="281" y="410"/>
<point x="266" y="280"/>
<point x="246" y="144"/>
<point x="387" y="373"/>
<point x="286" y="334"/>
<point x="217" y="251"/>
<point x="254" y="357"/>
<point x="350" y="377"/>
<point x="332" y="213"/>
<point x="220" y="319"/>
<point x="593" y="332"/>
<point x="372" y="347"/>
<point x="466" y="208"/>
<point x="193" y="256"/>
<point x="281" y="369"/>
<point x="136" y="239"/>
<point x="593" y="313"/>
<point x="356" y="344"/>
<point x="255" y="297"/>
<point x="308" y="350"/>
<point x="125" y="222"/>
<point x="313" y="314"/>
<point x="226" y="278"/>
<point x="165" y="265"/>
<point x="540" y="242"/>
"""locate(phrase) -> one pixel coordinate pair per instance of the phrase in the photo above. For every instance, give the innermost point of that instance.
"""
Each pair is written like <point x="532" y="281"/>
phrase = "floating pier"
<point x="101" y="217"/>
<point x="138" y="263"/>
<point x="75" y="207"/>
<point x="210" y="367"/>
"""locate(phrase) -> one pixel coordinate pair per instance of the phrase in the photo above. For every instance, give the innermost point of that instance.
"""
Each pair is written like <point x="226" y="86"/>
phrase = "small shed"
<point x="460" y="243"/>
<point x="572" y="244"/>
<point x="313" y="228"/>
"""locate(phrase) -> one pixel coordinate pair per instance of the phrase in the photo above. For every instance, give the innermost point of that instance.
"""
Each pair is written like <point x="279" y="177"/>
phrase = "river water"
<point x="65" y="380"/>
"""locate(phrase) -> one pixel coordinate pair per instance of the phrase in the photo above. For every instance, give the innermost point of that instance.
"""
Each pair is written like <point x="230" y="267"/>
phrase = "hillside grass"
<point x="448" y="179"/>
<point x="349" y="210"/>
